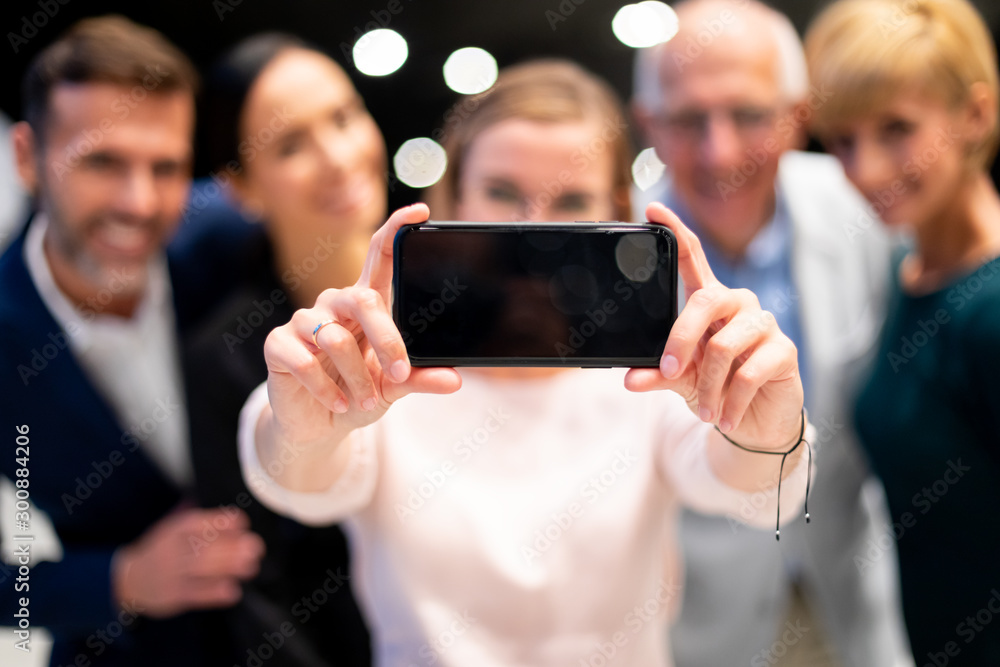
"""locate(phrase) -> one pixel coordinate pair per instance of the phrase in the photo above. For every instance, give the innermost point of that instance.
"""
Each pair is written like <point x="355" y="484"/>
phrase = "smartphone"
<point x="574" y="294"/>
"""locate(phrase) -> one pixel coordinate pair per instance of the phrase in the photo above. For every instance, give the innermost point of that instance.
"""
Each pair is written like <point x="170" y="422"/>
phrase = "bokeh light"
<point x="380" y="52"/>
<point x="420" y="162"/>
<point x="645" y="24"/>
<point x="647" y="169"/>
<point x="470" y="70"/>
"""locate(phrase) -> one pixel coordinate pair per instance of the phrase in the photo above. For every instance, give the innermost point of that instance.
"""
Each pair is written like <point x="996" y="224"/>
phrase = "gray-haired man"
<point x="724" y="103"/>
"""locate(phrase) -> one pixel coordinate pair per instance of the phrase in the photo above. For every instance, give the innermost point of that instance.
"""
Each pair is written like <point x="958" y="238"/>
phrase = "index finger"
<point x="691" y="261"/>
<point x="216" y="519"/>
<point x="377" y="272"/>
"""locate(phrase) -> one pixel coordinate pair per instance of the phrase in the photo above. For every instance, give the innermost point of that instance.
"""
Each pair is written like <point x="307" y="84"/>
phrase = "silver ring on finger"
<point x="319" y="327"/>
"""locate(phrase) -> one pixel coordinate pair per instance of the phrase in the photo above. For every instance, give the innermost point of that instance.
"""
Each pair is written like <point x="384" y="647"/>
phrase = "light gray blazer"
<point x="737" y="580"/>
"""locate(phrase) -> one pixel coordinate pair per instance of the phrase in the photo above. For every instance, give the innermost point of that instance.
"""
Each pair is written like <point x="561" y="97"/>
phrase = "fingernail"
<point x="340" y="406"/>
<point x="705" y="414"/>
<point x="369" y="404"/>
<point x="398" y="371"/>
<point x="669" y="366"/>
<point x="725" y="426"/>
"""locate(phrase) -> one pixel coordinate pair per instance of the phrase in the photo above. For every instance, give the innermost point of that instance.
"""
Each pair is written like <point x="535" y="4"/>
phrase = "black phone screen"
<point x="534" y="294"/>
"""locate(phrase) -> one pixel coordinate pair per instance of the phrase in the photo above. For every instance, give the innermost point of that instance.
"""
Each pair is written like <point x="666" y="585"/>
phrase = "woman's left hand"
<point x="725" y="355"/>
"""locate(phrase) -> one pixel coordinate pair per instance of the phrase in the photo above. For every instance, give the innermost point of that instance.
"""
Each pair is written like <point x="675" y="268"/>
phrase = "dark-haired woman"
<point x="283" y="124"/>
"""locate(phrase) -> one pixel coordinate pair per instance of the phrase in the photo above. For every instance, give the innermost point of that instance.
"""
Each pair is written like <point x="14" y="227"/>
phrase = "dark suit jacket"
<point x="304" y="584"/>
<point x="94" y="481"/>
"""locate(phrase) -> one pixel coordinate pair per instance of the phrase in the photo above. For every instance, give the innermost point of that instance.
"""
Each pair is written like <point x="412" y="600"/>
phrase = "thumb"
<point x="423" y="381"/>
<point x="651" y="379"/>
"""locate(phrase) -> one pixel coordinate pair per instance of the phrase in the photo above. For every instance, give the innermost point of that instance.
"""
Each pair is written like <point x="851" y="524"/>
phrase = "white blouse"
<point x="521" y="522"/>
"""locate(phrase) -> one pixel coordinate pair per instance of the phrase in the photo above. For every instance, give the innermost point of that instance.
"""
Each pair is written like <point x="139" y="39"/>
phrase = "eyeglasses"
<point x="749" y="122"/>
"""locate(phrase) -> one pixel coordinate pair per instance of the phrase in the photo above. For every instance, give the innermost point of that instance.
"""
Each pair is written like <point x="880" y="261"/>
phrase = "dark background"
<point x="408" y="103"/>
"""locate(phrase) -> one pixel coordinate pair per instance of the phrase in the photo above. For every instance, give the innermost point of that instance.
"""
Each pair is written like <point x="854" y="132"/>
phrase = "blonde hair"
<point x="866" y="52"/>
<point x="547" y="91"/>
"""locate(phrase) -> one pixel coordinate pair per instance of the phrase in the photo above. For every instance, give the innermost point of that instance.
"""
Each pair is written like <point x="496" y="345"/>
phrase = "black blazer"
<point x="304" y="584"/>
<point x="90" y="476"/>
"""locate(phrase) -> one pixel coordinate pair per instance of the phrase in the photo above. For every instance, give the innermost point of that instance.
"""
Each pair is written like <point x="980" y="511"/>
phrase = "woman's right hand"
<point x="358" y="365"/>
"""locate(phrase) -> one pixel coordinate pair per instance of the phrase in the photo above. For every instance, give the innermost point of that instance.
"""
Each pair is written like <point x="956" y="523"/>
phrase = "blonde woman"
<point x="912" y="115"/>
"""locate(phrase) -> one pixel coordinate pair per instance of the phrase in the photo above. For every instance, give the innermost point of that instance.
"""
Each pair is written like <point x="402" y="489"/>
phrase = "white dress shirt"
<point x="133" y="362"/>
<point x="520" y="522"/>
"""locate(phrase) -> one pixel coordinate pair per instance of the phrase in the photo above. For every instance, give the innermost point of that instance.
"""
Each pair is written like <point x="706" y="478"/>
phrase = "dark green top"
<point x="929" y="418"/>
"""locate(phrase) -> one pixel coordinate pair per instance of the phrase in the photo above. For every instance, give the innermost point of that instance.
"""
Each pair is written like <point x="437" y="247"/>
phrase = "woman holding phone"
<point x="549" y="541"/>
<point x="912" y="115"/>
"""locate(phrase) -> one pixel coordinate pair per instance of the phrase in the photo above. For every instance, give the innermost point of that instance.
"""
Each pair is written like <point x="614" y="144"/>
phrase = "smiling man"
<point x="90" y="310"/>
<point x="725" y="103"/>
